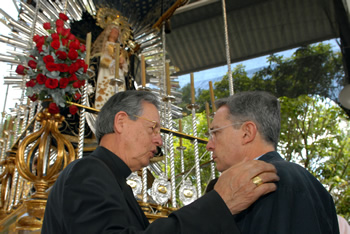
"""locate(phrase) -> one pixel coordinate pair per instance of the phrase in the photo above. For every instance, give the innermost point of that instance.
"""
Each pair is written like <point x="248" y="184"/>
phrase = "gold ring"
<point x="257" y="181"/>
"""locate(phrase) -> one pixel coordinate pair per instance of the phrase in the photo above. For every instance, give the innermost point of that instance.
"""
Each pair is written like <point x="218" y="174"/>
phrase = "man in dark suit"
<point x="246" y="126"/>
<point x="91" y="194"/>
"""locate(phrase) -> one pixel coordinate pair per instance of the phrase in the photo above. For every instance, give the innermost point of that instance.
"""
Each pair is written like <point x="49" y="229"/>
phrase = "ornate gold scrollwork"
<point x="5" y="177"/>
<point x="40" y="158"/>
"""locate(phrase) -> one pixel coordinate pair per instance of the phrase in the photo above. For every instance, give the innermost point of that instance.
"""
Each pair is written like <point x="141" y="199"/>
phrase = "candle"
<point x="88" y="48"/>
<point x="168" y="85"/>
<point x="143" y="71"/>
<point x="117" y="53"/>
<point x="212" y="96"/>
<point x="192" y="90"/>
<point x="180" y="130"/>
<point x="207" y="111"/>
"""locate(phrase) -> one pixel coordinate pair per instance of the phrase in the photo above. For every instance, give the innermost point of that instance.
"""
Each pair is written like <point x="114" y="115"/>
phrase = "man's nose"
<point x="210" y="145"/>
<point x="158" y="140"/>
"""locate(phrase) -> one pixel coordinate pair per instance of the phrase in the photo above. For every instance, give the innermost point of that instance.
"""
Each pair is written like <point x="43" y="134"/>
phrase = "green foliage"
<point x="312" y="70"/>
<point x="315" y="134"/>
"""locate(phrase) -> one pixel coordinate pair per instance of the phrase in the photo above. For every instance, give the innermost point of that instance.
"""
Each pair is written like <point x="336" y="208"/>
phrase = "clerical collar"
<point x="114" y="159"/>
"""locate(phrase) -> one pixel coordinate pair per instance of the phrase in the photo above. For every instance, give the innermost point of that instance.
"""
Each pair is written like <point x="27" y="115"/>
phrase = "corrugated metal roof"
<point x="255" y="28"/>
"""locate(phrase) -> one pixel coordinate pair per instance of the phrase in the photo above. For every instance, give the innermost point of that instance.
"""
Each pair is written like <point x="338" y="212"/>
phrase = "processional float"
<point x="34" y="149"/>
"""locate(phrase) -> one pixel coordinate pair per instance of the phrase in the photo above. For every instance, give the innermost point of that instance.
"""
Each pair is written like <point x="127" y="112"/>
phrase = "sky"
<point x="210" y="74"/>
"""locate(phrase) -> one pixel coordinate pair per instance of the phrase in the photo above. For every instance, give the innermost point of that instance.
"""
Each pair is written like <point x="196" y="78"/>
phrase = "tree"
<point x="311" y="70"/>
<point x="315" y="134"/>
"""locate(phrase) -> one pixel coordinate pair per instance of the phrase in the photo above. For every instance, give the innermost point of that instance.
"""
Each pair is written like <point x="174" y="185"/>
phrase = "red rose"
<point x="31" y="56"/>
<point x="53" y="108"/>
<point x="60" y="30"/>
<point x="55" y="36"/>
<point x="74" y="44"/>
<point x="64" y="41"/>
<point x="47" y="26"/>
<point x="63" y="82"/>
<point x="31" y="83"/>
<point x="76" y="84"/>
<point x="59" y="23"/>
<point x="48" y="59"/>
<point x="51" y="83"/>
<point x="73" y="68"/>
<point x="66" y="32"/>
<point x="51" y="67"/>
<point x="63" y="16"/>
<point x="40" y="40"/>
<point x="77" y="96"/>
<point x="82" y="48"/>
<point x="39" y="46"/>
<point x="40" y="78"/>
<point x="73" y="109"/>
<point x="73" y="77"/>
<point x="80" y="62"/>
<point x="71" y="37"/>
<point x="32" y="64"/>
<point x="36" y="38"/>
<point x="20" y="70"/>
<point x="62" y="67"/>
<point x="61" y="54"/>
<point x="34" y="97"/>
<point x="55" y="44"/>
<point x="73" y="54"/>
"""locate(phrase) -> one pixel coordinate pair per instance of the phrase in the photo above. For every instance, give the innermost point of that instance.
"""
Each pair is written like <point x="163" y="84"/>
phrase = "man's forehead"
<point x="220" y="115"/>
<point x="150" y="110"/>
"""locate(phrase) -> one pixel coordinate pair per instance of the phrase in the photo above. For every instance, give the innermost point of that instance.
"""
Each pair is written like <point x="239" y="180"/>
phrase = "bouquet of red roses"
<point x="55" y="67"/>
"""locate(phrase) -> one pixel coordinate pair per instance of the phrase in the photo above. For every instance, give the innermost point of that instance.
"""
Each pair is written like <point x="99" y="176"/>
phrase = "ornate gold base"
<point x="28" y="223"/>
<point x="32" y="220"/>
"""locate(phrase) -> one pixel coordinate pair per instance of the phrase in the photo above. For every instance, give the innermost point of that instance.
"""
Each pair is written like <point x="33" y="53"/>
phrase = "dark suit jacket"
<point x="300" y="205"/>
<point x="91" y="196"/>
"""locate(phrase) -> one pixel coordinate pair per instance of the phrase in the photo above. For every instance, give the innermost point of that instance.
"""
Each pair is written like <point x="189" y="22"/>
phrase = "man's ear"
<point x="249" y="132"/>
<point x="119" y="121"/>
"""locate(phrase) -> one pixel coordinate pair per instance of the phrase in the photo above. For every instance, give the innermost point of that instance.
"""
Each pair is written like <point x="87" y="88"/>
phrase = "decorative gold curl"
<point x="42" y="144"/>
<point x="41" y="148"/>
<point x="9" y="167"/>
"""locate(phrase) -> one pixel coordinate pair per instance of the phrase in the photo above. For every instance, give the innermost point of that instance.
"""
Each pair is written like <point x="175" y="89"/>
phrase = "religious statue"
<point x="113" y="64"/>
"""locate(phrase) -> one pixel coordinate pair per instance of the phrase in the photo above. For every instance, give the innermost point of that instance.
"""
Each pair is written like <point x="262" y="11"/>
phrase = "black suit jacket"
<point x="300" y="205"/>
<point x="91" y="196"/>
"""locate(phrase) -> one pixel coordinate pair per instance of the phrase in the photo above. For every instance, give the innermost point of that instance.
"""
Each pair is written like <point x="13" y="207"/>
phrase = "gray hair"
<point x="129" y="101"/>
<point x="258" y="106"/>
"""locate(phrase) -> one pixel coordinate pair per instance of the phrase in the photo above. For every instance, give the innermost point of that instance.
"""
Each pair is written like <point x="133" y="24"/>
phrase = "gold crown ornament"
<point x="106" y="16"/>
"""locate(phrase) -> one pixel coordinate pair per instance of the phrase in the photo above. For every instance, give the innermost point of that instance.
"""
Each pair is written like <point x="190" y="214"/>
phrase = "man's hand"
<point x="236" y="188"/>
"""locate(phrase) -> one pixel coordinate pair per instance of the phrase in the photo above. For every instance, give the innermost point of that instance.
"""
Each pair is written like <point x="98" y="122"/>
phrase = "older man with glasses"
<point x="245" y="127"/>
<point x="91" y="194"/>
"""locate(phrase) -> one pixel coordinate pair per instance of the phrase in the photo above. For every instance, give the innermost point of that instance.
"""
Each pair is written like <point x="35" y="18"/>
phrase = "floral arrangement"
<point x="55" y="66"/>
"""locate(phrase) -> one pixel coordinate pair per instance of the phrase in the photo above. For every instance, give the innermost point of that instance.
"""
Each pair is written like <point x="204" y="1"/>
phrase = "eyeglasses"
<point x="212" y="131"/>
<point x="155" y="128"/>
